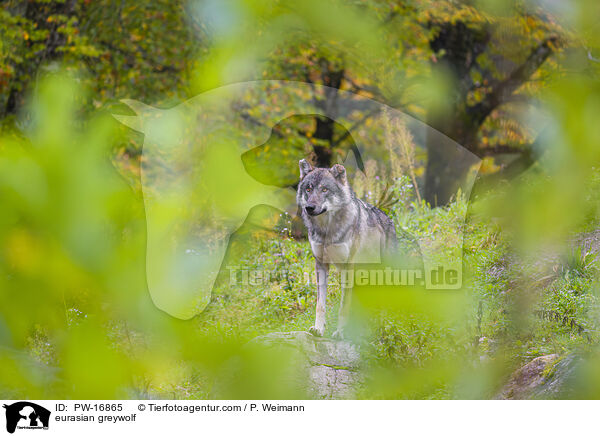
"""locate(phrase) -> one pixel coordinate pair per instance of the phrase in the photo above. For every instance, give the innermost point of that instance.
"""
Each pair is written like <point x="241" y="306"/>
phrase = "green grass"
<point x="463" y="352"/>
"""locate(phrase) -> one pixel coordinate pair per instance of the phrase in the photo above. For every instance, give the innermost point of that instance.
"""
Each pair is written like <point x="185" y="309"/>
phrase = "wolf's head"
<point x="322" y="190"/>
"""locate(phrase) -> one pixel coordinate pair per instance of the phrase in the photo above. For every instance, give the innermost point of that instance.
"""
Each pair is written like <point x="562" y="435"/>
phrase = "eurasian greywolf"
<point x="342" y="230"/>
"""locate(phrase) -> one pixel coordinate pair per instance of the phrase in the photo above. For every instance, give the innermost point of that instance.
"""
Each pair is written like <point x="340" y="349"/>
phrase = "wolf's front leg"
<point x="347" y="276"/>
<point x="322" y="270"/>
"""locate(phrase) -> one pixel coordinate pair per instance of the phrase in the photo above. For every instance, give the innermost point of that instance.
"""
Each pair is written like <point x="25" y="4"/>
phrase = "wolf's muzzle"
<point x="312" y="210"/>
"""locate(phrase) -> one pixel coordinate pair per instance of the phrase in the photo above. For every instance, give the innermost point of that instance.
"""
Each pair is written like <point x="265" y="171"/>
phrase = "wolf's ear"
<point x="339" y="173"/>
<point x="305" y="168"/>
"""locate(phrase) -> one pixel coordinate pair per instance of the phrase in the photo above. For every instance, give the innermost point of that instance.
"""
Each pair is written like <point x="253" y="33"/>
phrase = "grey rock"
<point x="545" y="377"/>
<point x="328" y="369"/>
<point x="527" y="379"/>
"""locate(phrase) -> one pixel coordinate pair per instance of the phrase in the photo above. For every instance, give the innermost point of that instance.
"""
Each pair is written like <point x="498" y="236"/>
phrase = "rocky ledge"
<point x="328" y="368"/>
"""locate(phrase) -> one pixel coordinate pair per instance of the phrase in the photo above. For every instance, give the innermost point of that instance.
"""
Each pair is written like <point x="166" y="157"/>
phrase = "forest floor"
<point x="508" y="312"/>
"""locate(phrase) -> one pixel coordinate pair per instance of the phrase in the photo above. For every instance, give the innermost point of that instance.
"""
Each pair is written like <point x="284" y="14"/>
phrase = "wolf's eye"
<point x="308" y="189"/>
<point x="324" y="189"/>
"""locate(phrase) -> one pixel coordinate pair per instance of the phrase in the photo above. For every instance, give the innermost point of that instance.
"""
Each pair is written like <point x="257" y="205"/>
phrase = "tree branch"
<point x="276" y="131"/>
<point x="377" y="95"/>
<point x="354" y="126"/>
<point x="503" y="90"/>
<point x="529" y="155"/>
<point x="502" y="149"/>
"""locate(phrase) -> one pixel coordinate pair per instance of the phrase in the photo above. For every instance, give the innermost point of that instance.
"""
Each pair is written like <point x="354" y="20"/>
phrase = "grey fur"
<point x="342" y="230"/>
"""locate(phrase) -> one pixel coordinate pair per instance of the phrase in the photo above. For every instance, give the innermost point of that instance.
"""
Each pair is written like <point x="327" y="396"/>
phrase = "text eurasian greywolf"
<point x="342" y="230"/>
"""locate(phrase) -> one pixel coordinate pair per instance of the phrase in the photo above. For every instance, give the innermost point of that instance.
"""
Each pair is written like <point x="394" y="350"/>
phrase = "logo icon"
<point x="26" y="415"/>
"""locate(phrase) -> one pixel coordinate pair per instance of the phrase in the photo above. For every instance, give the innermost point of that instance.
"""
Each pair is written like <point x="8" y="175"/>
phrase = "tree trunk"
<point x="324" y="131"/>
<point x="325" y="125"/>
<point x="459" y="46"/>
<point x="448" y="163"/>
<point x="446" y="166"/>
<point x="26" y="71"/>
